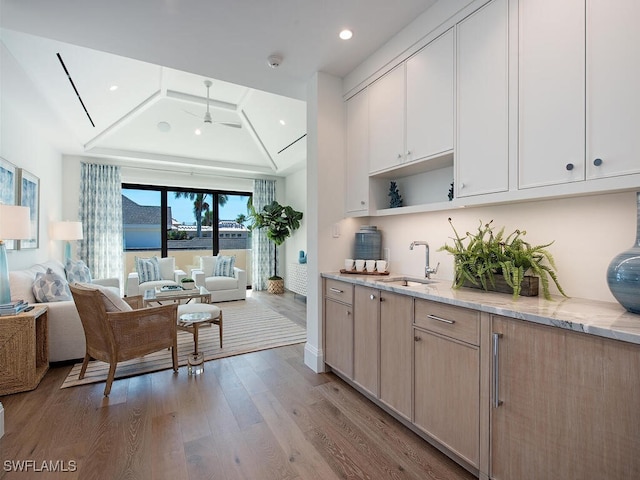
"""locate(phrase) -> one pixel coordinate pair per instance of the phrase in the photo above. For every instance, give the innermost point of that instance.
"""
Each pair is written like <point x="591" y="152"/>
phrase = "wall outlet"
<point x="335" y="231"/>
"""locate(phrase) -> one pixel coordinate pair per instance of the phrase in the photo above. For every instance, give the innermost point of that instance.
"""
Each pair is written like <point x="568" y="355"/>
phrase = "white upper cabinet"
<point x="551" y="92"/>
<point x="357" y="174"/>
<point x="482" y="146"/>
<point x="386" y="120"/>
<point x="430" y="87"/>
<point x="613" y="80"/>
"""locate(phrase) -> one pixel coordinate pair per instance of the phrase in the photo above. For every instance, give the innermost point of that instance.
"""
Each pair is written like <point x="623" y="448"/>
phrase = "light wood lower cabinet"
<point x="569" y="404"/>
<point x="338" y="336"/>
<point x="447" y="377"/>
<point x="366" y="336"/>
<point x="396" y="351"/>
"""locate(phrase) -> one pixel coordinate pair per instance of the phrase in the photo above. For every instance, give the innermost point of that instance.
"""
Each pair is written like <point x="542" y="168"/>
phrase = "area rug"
<point x="248" y="326"/>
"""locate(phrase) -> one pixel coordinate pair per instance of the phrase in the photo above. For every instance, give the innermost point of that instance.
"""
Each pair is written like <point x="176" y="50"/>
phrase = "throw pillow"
<point x="111" y="300"/>
<point x="77" y="271"/>
<point x="51" y="287"/>
<point x="224" y="266"/>
<point x="208" y="265"/>
<point x="167" y="268"/>
<point x="148" y="269"/>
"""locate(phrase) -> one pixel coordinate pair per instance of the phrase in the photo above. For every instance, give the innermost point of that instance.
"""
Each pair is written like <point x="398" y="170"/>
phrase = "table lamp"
<point x="15" y="224"/>
<point x="66" y="231"/>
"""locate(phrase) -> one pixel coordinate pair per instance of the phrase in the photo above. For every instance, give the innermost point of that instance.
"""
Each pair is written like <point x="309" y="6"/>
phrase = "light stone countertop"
<point x="604" y="319"/>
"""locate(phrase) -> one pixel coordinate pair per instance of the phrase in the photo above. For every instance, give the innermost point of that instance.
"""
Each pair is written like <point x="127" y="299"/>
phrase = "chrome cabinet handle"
<point x="335" y="290"/>
<point x="443" y="320"/>
<point x="496" y="370"/>
<point x="372" y="296"/>
<point x="597" y="162"/>
<point x="569" y="166"/>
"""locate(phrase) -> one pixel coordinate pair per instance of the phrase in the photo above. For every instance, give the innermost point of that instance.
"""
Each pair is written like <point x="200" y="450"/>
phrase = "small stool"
<point x="191" y="325"/>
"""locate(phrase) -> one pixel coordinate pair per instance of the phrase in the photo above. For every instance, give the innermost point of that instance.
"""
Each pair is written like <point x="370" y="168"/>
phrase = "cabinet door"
<point x="386" y="120"/>
<point x="338" y="337"/>
<point x="430" y="99"/>
<point x="569" y="404"/>
<point x="613" y="77"/>
<point x="366" y="336"/>
<point x="447" y="392"/>
<point x="396" y="351"/>
<point x="357" y="187"/>
<point x="551" y="92"/>
<point x="482" y="156"/>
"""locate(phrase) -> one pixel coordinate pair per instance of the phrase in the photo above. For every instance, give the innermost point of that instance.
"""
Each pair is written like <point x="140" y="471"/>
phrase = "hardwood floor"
<point x="261" y="416"/>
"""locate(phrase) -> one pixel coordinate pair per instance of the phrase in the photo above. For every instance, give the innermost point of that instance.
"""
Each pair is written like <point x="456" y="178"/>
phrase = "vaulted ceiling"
<point x="159" y="55"/>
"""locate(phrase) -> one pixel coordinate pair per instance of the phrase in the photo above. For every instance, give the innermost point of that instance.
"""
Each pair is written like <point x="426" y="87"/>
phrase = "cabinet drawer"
<point x="340" y="291"/>
<point x="456" y="322"/>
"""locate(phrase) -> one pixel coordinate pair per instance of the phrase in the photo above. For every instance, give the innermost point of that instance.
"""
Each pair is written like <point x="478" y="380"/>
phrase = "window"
<point x="196" y="222"/>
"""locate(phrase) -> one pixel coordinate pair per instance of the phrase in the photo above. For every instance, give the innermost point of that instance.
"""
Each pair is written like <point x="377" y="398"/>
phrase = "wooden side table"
<point x="24" y="350"/>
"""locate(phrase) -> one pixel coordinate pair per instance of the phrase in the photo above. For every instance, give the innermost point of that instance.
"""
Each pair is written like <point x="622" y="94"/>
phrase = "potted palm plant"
<point x="280" y="222"/>
<point x="493" y="261"/>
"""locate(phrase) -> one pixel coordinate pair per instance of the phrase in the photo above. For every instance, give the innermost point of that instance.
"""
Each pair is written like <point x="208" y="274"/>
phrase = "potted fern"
<point x="493" y="261"/>
<point x="280" y="222"/>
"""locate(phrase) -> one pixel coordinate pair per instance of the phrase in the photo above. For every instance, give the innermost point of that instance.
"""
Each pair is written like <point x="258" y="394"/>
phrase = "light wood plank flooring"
<point x="258" y="416"/>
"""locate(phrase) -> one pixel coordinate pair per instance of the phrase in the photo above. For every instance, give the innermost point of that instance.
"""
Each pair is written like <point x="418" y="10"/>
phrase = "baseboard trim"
<point x="314" y="358"/>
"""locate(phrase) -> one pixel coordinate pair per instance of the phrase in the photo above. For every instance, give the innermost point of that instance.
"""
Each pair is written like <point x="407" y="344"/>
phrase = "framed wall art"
<point x="29" y="196"/>
<point x="8" y="190"/>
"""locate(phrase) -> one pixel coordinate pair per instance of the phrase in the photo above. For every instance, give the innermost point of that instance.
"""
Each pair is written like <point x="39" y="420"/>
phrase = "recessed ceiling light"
<point x="113" y="88"/>
<point x="282" y="122"/>
<point x="164" y="126"/>
<point x="346" y="34"/>
<point x="198" y="131"/>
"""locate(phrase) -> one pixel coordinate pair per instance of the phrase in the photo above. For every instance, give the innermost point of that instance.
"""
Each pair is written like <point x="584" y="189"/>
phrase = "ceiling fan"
<point x="207" y="115"/>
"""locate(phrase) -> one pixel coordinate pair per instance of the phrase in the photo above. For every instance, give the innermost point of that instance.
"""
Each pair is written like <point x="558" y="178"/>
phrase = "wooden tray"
<point x="364" y="272"/>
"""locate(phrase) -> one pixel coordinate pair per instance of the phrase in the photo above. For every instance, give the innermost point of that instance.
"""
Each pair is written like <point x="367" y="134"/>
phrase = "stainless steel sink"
<point x="406" y="281"/>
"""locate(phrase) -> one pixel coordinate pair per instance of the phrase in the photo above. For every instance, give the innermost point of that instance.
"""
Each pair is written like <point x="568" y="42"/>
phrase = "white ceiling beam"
<point x="122" y="120"/>
<point x="187" y="97"/>
<point x="256" y="138"/>
<point x="179" y="162"/>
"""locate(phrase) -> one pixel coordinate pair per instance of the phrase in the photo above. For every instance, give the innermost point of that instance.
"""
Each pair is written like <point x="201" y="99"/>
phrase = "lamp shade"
<point x="66" y="231"/>
<point x="15" y="223"/>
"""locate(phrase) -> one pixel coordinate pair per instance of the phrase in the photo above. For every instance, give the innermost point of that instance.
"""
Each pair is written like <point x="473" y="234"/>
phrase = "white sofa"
<point x="168" y="273"/>
<point x="66" y="335"/>
<point x="222" y="288"/>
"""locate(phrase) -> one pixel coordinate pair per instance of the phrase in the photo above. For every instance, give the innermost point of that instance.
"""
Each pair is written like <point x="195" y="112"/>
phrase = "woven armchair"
<point x="115" y="333"/>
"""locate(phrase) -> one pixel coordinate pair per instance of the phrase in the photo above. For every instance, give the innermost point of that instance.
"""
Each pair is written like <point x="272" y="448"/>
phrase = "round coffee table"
<point x="190" y="319"/>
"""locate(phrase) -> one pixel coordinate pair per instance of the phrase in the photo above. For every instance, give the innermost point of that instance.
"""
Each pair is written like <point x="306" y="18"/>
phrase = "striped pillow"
<point x="148" y="269"/>
<point x="224" y="266"/>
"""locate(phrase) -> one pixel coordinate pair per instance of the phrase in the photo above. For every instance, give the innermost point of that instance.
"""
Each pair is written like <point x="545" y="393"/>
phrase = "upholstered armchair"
<point x="114" y="332"/>
<point x="221" y="277"/>
<point x="151" y="273"/>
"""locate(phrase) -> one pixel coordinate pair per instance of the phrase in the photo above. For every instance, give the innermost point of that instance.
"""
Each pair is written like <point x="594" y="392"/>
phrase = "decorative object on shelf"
<point x="302" y="257"/>
<point x="450" y="194"/>
<point x="29" y="196"/>
<point x="188" y="283"/>
<point x="368" y="242"/>
<point x="280" y="222"/>
<point x="14" y="225"/>
<point x="487" y="256"/>
<point x="623" y="274"/>
<point x="66" y="231"/>
<point x="396" y="198"/>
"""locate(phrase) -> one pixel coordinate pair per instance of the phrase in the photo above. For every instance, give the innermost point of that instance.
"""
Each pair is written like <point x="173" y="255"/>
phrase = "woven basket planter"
<point x="529" y="286"/>
<point x="275" y="286"/>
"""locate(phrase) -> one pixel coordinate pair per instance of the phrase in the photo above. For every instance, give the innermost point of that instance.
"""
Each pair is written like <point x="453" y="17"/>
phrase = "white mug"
<point x="359" y="265"/>
<point x="370" y="265"/>
<point x="348" y="264"/>
<point x="381" y="265"/>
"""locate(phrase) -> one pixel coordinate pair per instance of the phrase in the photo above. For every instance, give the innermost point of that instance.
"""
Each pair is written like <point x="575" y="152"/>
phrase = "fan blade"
<point x="230" y="124"/>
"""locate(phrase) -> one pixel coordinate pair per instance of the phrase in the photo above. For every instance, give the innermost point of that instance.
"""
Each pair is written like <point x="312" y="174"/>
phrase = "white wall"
<point x="26" y="142"/>
<point x="296" y="196"/>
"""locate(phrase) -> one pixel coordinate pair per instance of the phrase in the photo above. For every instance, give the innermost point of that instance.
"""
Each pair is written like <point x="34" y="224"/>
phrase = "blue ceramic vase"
<point x="623" y="274"/>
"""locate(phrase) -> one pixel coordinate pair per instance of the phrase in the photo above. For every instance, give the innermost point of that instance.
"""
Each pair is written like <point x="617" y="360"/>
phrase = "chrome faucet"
<point x="427" y="269"/>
